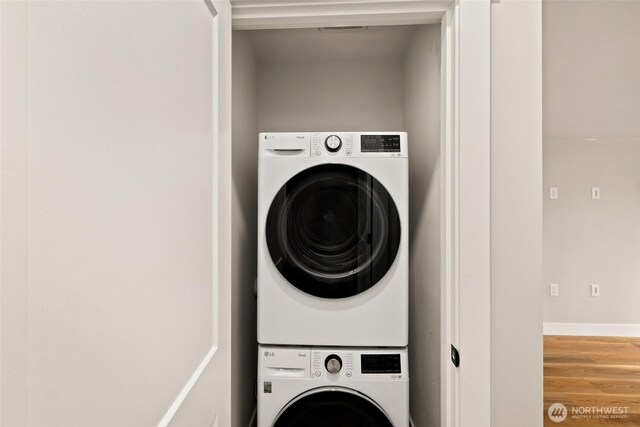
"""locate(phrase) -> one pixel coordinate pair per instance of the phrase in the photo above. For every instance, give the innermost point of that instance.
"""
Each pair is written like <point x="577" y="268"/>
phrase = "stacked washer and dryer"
<point x="333" y="279"/>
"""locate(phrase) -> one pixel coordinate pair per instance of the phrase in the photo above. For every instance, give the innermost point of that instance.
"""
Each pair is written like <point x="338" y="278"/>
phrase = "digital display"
<point x="380" y="143"/>
<point x="380" y="363"/>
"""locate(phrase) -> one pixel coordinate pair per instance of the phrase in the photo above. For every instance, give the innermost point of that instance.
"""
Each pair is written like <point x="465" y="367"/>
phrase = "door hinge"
<point x="455" y="356"/>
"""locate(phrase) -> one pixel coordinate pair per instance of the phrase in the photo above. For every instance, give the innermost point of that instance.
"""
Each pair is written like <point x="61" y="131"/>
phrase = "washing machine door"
<point x="333" y="231"/>
<point x="332" y="407"/>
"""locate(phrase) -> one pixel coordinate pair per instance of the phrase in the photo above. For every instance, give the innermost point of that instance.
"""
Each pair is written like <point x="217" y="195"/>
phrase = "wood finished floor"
<point x="592" y="372"/>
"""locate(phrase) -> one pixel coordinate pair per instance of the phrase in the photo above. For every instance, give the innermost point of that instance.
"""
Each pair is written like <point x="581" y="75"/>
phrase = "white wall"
<point x="14" y="391"/>
<point x="592" y="241"/>
<point x="244" y="225"/>
<point x="107" y="208"/>
<point x="591" y="90"/>
<point x="316" y="81"/>
<point x="422" y="123"/>
<point x="591" y="69"/>
<point x="319" y="97"/>
<point x="516" y="214"/>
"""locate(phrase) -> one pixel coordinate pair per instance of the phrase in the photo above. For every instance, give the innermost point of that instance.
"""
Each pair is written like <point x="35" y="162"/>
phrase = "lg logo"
<point x="557" y="412"/>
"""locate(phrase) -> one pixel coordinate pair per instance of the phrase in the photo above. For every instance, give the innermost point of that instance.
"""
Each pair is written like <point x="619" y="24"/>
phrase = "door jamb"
<point x="465" y="159"/>
<point x="465" y="198"/>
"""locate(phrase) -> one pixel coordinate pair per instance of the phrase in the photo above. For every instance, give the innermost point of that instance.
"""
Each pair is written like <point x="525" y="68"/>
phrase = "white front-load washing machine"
<point x="331" y="387"/>
<point x="333" y="239"/>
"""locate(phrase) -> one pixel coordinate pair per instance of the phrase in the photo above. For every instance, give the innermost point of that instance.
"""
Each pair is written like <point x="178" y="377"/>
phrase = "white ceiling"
<point x="386" y="43"/>
<point x="591" y="69"/>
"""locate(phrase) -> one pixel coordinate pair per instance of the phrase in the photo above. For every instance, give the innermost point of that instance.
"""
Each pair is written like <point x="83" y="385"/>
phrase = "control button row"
<point x="349" y="374"/>
<point x="319" y="153"/>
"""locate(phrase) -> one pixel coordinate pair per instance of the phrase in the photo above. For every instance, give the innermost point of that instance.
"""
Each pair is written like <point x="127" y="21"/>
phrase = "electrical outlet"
<point x="595" y="193"/>
<point x="595" y="290"/>
<point x="553" y="290"/>
<point x="553" y="193"/>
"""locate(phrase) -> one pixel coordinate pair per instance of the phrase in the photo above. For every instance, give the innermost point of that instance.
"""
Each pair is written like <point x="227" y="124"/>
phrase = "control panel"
<point x="359" y="144"/>
<point x="332" y="144"/>
<point x="326" y="145"/>
<point x="337" y="364"/>
<point x="329" y="364"/>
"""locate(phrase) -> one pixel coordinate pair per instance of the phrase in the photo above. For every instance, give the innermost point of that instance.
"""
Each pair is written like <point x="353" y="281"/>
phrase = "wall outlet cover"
<point x="553" y="193"/>
<point x="553" y="290"/>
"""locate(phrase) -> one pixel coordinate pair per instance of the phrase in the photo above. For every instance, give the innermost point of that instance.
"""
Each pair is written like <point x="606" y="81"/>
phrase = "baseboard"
<point x="186" y="389"/>
<point x="592" y="329"/>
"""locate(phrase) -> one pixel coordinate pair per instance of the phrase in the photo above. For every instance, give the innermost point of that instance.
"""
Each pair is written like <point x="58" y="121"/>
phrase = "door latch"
<point x="455" y="356"/>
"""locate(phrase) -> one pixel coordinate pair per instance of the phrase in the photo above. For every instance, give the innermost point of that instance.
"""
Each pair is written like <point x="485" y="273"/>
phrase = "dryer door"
<point x="332" y="407"/>
<point x="333" y="231"/>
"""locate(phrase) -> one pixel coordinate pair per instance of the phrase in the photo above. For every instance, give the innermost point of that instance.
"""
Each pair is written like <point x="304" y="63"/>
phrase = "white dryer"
<point x="331" y="387"/>
<point x="333" y="239"/>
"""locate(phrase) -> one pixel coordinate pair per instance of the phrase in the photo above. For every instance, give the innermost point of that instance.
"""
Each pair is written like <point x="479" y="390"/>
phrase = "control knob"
<point x="333" y="143"/>
<point x="333" y="363"/>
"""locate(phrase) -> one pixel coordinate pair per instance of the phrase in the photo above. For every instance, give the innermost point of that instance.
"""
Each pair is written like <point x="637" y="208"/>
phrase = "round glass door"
<point x="333" y="231"/>
<point x="332" y="407"/>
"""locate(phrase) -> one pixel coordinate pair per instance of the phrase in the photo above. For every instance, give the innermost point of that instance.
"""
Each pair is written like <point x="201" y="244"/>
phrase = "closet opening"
<point x="365" y="78"/>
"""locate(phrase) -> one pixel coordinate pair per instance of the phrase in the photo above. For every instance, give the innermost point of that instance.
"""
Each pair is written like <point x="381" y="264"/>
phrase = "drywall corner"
<point x="516" y="214"/>
<point x="244" y="229"/>
<point x="422" y="123"/>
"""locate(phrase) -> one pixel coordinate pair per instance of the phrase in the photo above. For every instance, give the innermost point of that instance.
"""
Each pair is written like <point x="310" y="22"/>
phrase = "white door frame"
<point x="449" y="327"/>
<point x="465" y="156"/>
<point x="466" y="261"/>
